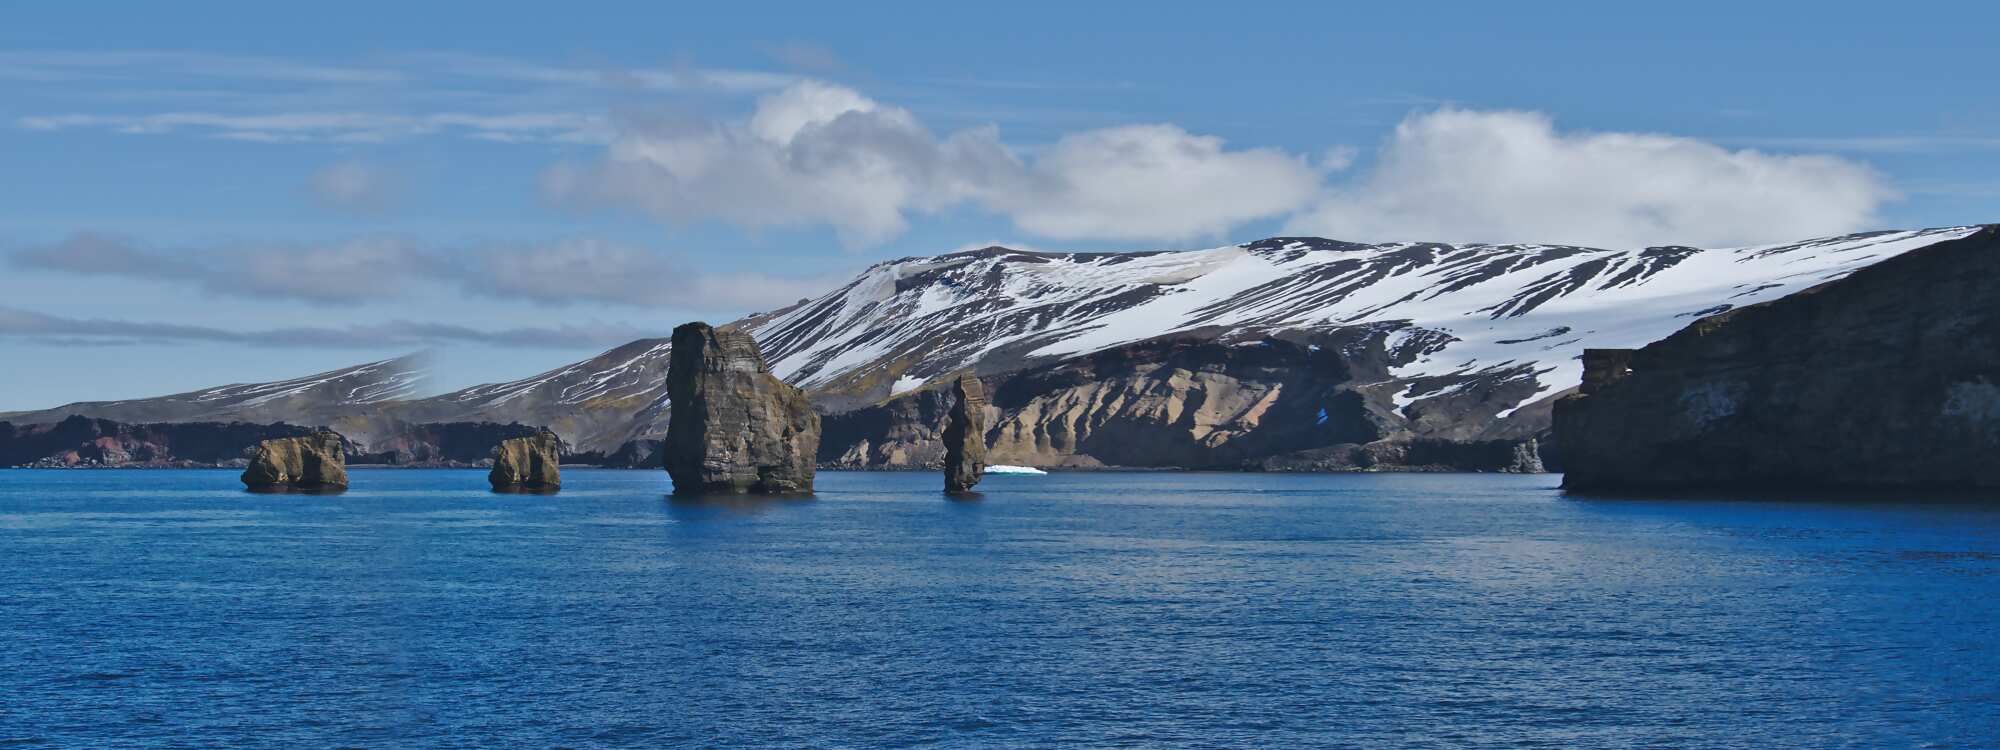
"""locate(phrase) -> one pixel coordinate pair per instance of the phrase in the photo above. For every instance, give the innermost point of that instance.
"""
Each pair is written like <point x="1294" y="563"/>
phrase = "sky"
<point x="203" y="193"/>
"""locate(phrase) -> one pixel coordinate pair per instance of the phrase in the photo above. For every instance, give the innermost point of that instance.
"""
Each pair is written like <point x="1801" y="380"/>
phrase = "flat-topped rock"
<point x="965" y="436"/>
<point x="315" y="462"/>
<point x="527" y="464"/>
<point x="735" y="428"/>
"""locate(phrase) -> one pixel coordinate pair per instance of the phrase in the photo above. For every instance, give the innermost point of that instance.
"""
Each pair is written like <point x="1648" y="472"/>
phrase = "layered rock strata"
<point x="735" y="427"/>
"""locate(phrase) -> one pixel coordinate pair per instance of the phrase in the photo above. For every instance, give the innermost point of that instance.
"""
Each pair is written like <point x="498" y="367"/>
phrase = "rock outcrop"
<point x="1889" y="377"/>
<point x="310" y="463"/>
<point x="527" y="464"/>
<point x="735" y="427"/>
<point x="965" y="436"/>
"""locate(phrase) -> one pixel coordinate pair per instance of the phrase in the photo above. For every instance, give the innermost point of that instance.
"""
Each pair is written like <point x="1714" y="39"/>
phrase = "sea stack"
<point x="527" y="464"/>
<point x="965" y="436"/>
<point x="735" y="428"/>
<point x="315" y="462"/>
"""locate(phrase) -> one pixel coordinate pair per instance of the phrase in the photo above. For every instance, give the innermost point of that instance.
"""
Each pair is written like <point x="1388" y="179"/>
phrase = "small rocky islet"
<point x="307" y="463"/>
<point x="530" y="464"/>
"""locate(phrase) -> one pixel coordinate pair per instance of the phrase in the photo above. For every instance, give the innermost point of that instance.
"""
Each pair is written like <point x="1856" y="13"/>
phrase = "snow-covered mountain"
<point x="1156" y="358"/>
<point x="313" y="399"/>
<point x="1514" y="311"/>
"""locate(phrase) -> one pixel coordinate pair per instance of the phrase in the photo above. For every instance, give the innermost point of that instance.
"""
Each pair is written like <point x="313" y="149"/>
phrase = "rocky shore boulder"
<point x="1889" y="377"/>
<point x="527" y="464"/>
<point x="965" y="436"/>
<point x="315" y="462"/>
<point x="735" y="428"/>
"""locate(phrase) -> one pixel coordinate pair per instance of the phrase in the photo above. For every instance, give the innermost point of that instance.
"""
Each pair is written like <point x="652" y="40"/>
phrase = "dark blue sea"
<point x="171" y="609"/>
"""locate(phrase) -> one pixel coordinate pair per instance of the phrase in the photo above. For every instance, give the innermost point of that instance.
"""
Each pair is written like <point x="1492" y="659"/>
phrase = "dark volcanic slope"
<point x="312" y="400"/>
<point x="1888" y="377"/>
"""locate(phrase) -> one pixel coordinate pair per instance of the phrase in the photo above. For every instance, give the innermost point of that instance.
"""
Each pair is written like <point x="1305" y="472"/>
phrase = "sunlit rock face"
<point x="532" y="463"/>
<point x="735" y="428"/>
<point x="1887" y="377"/>
<point x="312" y="462"/>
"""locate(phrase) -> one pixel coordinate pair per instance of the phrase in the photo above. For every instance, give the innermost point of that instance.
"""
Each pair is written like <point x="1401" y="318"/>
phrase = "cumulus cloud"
<point x="67" y="331"/>
<point x="821" y="154"/>
<point x="1469" y="176"/>
<point x="353" y="186"/>
<point x="564" y="272"/>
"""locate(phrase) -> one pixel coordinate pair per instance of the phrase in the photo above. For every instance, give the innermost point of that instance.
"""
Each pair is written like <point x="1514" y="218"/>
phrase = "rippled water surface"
<point x="168" y="608"/>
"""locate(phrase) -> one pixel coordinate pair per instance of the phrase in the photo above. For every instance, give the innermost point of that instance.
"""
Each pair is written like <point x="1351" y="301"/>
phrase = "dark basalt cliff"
<point x="532" y="463"/>
<point x="1889" y="377"/>
<point x="308" y="463"/>
<point x="736" y="428"/>
<point x="449" y="444"/>
<point x="965" y="435"/>
<point x="85" y="442"/>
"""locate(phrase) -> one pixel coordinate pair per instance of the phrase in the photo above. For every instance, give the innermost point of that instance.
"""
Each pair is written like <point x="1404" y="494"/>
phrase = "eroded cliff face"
<point x="1888" y="377"/>
<point x="736" y="428"/>
<point x="1199" y="401"/>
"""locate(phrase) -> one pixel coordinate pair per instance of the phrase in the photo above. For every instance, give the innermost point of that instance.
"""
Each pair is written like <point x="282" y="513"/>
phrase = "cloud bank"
<point x="1467" y="176"/>
<point x="821" y="154"/>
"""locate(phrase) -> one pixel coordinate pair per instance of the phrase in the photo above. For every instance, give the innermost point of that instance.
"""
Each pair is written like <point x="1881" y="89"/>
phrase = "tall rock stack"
<point x="316" y="462"/>
<point x="965" y="436"/>
<point x="527" y="464"/>
<point x="735" y="428"/>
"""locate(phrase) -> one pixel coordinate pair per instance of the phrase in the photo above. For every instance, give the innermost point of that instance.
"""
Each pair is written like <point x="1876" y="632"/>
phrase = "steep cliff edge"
<point x="1889" y="377"/>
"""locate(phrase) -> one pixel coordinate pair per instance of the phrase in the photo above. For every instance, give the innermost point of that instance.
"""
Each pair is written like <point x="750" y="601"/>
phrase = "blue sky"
<point x="206" y="193"/>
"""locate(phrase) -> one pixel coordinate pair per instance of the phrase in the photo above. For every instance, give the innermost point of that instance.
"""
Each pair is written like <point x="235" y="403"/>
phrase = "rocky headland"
<point x="736" y="428"/>
<point x="1889" y="377"/>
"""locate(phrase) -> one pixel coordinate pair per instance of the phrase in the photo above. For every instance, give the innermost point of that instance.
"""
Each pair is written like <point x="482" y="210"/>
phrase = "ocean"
<point x="172" y="609"/>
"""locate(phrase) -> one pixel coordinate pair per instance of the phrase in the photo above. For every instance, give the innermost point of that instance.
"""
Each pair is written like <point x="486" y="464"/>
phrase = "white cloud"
<point x="1464" y="176"/>
<point x="1146" y="182"/>
<point x="817" y="153"/>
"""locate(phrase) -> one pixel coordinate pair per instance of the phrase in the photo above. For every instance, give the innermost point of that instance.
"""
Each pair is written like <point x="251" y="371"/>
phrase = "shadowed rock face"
<point x="965" y="436"/>
<point x="315" y="461"/>
<point x="527" y="463"/>
<point x="1889" y="377"/>
<point x="735" y="428"/>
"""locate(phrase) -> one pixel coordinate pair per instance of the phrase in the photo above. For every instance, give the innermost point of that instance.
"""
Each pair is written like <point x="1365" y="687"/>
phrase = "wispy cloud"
<point x="341" y="127"/>
<point x="561" y="273"/>
<point x="353" y="186"/>
<point x="383" y="98"/>
<point x="56" y="330"/>
<point x="1874" y="144"/>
